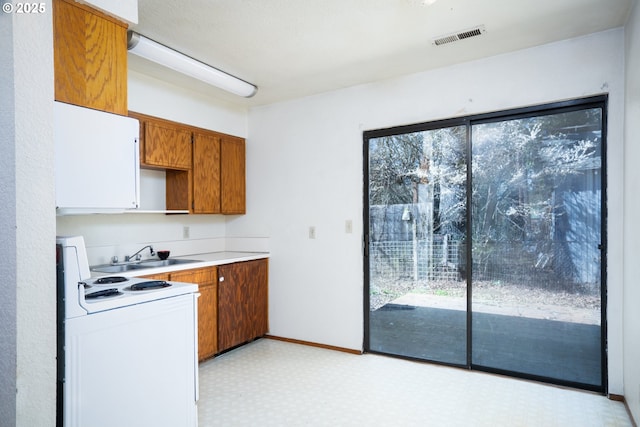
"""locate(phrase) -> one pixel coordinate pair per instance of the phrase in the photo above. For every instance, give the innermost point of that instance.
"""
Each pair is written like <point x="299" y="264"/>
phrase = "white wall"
<point x="151" y="96"/>
<point x="125" y="10"/>
<point x="107" y="235"/>
<point x="8" y="250"/>
<point x="27" y="222"/>
<point x="304" y="169"/>
<point x="631" y="215"/>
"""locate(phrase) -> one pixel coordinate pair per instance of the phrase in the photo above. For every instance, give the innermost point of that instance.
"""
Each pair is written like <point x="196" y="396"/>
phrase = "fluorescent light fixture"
<point x="156" y="52"/>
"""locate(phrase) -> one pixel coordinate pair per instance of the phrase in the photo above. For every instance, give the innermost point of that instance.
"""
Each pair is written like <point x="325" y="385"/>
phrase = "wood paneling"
<point x="233" y="175"/>
<point x="90" y="58"/>
<point x="206" y="278"/>
<point x="206" y="173"/>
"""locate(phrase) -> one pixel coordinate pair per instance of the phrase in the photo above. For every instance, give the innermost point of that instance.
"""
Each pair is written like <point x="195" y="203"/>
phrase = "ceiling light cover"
<point x="156" y="52"/>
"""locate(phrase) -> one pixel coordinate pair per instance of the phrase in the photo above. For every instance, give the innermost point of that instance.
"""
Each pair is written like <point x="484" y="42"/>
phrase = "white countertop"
<point x="203" y="260"/>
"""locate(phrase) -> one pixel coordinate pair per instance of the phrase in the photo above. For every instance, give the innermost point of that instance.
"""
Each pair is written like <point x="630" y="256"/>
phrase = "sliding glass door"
<point x="536" y="221"/>
<point x="484" y="242"/>
<point x="417" y="244"/>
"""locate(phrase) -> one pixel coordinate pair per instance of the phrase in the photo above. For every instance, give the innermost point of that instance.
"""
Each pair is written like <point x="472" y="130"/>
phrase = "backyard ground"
<point x="579" y="305"/>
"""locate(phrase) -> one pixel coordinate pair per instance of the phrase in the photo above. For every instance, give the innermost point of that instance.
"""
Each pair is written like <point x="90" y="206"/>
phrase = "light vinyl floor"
<point x="275" y="383"/>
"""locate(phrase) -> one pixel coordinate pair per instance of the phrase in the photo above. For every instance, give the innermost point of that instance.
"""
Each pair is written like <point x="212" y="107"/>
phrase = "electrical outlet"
<point x="186" y="232"/>
<point x="348" y="226"/>
<point x="312" y="232"/>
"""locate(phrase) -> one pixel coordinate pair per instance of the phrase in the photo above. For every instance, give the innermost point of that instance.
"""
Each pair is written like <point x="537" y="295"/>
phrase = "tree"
<point x="521" y="169"/>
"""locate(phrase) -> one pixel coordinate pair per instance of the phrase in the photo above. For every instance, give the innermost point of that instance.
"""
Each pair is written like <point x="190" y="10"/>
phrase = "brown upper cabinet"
<point x="165" y="146"/>
<point x="205" y="170"/>
<point x="206" y="173"/>
<point x="232" y="175"/>
<point x="218" y="174"/>
<point x="89" y="57"/>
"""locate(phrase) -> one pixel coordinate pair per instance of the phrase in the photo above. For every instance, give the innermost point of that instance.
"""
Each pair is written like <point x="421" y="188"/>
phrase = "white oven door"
<point x="134" y="366"/>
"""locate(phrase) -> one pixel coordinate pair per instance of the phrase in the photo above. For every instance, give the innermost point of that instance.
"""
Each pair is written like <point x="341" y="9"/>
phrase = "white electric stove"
<point x="111" y="292"/>
<point x="127" y="347"/>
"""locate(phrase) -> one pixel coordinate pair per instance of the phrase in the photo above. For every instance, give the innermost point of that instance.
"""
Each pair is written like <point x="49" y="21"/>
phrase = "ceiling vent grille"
<point x="460" y="35"/>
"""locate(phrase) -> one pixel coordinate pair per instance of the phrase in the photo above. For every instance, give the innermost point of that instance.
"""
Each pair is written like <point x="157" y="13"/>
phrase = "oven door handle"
<point x="81" y="299"/>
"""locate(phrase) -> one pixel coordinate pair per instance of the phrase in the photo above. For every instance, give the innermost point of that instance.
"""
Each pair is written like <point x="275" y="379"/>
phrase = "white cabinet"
<point x="97" y="163"/>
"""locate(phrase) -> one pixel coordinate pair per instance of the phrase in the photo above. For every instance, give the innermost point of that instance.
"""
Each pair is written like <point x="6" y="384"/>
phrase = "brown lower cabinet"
<point x="206" y="278"/>
<point x="242" y="302"/>
<point x="233" y="304"/>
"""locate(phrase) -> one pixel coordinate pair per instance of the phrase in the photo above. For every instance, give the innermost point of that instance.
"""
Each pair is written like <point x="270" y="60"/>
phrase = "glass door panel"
<point x="417" y="245"/>
<point x="536" y="239"/>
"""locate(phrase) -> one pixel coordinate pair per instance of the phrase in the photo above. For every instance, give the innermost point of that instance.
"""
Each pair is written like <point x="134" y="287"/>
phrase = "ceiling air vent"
<point x="460" y="35"/>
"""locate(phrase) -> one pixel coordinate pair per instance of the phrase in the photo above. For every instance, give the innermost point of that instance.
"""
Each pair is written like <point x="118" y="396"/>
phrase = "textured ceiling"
<point x="294" y="48"/>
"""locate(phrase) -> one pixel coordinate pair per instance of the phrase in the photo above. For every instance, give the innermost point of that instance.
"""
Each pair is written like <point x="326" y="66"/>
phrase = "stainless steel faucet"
<point x="137" y="256"/>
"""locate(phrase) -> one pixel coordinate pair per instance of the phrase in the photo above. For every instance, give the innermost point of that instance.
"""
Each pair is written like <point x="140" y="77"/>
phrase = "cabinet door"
<point x="231" y="309"/>
<point x="206" y="173"/>
<point x="232" y="175"/>
<point x="207" y="307"/>
<point x="166" y="146"/>
<point x="89" y="58"/>
<point x="242" y="303"/>
<point x="258" y="297"/>
<point x="208" y="322"/>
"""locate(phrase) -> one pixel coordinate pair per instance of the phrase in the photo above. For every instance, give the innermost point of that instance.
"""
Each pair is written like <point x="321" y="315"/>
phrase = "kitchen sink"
<point x="120" y="268"/>
<point x="107" y="268"/>
<point x="164" y="262"/>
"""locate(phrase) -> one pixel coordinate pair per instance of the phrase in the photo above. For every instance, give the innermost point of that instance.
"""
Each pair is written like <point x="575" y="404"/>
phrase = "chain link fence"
<point x="432" y="260"/>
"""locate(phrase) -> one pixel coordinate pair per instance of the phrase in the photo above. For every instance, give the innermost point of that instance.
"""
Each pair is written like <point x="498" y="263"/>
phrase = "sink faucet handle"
<point x="114" y="259"/>
<point x="138" y="256"/>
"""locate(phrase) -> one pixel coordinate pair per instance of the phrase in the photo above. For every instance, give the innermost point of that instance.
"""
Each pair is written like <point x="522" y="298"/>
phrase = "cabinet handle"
<point x="221" y="279"/>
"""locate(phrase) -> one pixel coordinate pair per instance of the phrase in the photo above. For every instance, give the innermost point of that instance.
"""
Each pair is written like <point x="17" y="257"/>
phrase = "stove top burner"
<point x="110" y="279"/>
<point x="150" y="285"/>
<point x="105" y="293"/>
